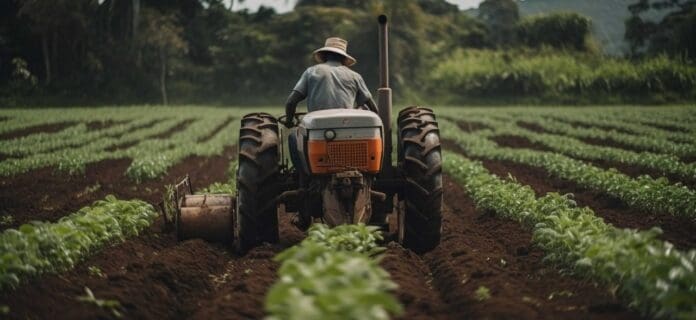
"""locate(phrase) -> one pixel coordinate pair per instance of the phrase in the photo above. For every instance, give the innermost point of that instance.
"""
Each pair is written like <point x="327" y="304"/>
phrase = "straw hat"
<point x="336" y="45"/>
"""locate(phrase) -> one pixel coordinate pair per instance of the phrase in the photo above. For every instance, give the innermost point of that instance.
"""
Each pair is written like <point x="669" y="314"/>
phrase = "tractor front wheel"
<point x="257" y="181"/>
<point x="420" y="159"/>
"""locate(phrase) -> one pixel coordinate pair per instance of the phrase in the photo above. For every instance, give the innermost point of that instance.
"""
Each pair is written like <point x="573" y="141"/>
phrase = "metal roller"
<point x="208" y="217"/>
<point x="208" y="199"/>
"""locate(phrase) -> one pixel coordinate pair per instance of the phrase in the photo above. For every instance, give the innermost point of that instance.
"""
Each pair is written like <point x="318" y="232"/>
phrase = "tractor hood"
<point x="341" y="118"/>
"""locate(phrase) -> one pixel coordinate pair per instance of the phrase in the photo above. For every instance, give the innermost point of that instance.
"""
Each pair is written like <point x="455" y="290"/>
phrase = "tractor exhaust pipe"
<point x="384" y="96"/>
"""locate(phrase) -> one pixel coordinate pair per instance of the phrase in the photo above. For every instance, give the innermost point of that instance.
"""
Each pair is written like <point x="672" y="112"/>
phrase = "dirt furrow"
<point x="488" y="268"/>
<point x="44" y="128"/>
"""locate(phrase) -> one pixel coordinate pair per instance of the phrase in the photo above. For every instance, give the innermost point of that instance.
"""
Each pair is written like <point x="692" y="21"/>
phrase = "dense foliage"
<point x="41" y="247"/>
<point x="106" y="52"/>
<point x="548" y="76"/>
<point x="333" y="274"/>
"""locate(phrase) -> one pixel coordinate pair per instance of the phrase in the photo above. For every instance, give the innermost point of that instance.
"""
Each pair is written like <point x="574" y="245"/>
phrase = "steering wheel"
<point x="295" y="120"/>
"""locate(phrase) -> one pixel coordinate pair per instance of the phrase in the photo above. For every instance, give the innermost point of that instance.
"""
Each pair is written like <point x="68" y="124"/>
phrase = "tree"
<point x="558" y="30"/>
<point x="672" y="35"/>
<point x="162" y="33"/>
<point x="438" y="7"/>
<point x="500" y="17"/>
<point x="59" y="24"/>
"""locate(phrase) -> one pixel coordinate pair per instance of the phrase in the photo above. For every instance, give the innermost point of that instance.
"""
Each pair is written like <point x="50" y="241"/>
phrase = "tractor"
<point x="346" y="175"/>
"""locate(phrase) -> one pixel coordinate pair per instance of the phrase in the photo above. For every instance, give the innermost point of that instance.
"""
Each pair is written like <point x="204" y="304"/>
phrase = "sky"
<point x="287" y="5"/>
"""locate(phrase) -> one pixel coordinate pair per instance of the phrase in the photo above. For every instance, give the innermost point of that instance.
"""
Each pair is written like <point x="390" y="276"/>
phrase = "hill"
<point x="607" y="16"/>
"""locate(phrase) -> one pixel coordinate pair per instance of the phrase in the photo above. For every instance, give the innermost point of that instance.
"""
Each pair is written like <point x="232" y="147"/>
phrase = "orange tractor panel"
<point x="336" y="156"/>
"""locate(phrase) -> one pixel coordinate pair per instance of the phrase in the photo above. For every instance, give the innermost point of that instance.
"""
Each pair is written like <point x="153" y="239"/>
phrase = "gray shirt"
<point x="331" y="85"/>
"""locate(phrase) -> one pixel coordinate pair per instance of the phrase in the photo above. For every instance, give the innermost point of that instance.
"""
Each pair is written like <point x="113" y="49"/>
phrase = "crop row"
<point x="663" y="163"/>
<point x="26" y="118"/>
<point x="42" y="247"/>
<point x="650" y="274"/>
<point x="681" y="120"/>
<point x="600" y="120"/>
<point x="641" y="142"/>
<point x="643" y="192"/>
<point x="73" y="136"/>
<point x="74" y="160"/>
<point x="151" y="156"/>
<point x="333" y="274"/>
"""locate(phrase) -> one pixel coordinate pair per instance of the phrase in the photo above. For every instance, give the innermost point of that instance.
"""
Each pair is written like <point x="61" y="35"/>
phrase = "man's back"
<point x="332" y="85"/>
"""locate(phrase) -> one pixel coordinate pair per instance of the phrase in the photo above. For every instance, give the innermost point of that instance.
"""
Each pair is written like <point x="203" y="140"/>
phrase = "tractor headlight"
<point x="329" y="134"/>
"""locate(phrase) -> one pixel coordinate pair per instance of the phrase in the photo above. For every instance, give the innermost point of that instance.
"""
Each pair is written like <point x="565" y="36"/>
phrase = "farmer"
<point x="330" y="84"/>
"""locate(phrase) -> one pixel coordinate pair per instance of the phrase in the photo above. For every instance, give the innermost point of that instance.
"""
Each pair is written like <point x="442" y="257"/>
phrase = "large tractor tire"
<point x="420" y="158"/>
<point x="257" y="181"/>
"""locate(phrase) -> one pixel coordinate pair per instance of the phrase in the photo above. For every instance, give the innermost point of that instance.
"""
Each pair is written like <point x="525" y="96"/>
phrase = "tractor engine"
<point x="342" y="152"/>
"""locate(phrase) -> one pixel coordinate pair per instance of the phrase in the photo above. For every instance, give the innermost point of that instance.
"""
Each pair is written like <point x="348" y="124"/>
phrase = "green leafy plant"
<point x="96" y="271"/>
<point x="482" y="293"/>
<point x="333" y="274"/>
<point x="6" y="220"/>
<point x="41" y="247"/>
<point x="113" y="306"/>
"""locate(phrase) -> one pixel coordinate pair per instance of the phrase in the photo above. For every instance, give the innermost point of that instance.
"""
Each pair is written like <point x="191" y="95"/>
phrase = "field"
<point x="554" y="212"/>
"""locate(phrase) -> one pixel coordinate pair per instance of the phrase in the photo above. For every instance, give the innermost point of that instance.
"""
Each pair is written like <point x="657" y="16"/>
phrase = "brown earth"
<point x="44" y="128"/>
<point x="677" y="230"/>
<point x="631" y="171"/>
<point x="99" y="125"/>
<point x="468" y="126"/>
<point x="181" y="126"/>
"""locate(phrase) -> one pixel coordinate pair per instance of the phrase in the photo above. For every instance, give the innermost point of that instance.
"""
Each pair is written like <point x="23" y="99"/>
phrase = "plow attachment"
<point x="200" y="216"/>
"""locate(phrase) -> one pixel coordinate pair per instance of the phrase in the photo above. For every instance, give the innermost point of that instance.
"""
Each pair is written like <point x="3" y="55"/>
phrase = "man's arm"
<point x="291" y="104"/>
<point x="371" y="105"/>
<point x="363" y="95"/>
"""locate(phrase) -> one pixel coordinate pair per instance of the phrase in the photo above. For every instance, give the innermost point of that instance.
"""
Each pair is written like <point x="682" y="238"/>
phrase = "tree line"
<point x="200" y="51"/>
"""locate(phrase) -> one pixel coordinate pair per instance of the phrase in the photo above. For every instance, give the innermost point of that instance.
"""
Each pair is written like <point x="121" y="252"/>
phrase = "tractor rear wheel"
<point x="257" y="181"/>
<point x="420" y="158"/>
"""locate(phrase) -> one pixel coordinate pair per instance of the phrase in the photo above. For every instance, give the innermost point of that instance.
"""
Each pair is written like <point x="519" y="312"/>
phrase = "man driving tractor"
<point x="330" y="84"/>
<point x="342" y="170"/>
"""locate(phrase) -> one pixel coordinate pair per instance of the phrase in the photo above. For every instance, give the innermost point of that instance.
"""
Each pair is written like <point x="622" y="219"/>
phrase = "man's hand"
<point x="288" y="122"/>
<point x="290" y="107"/>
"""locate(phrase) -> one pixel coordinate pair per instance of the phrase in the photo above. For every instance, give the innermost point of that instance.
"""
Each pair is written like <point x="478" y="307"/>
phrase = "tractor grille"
<point x="350" y="154"/>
